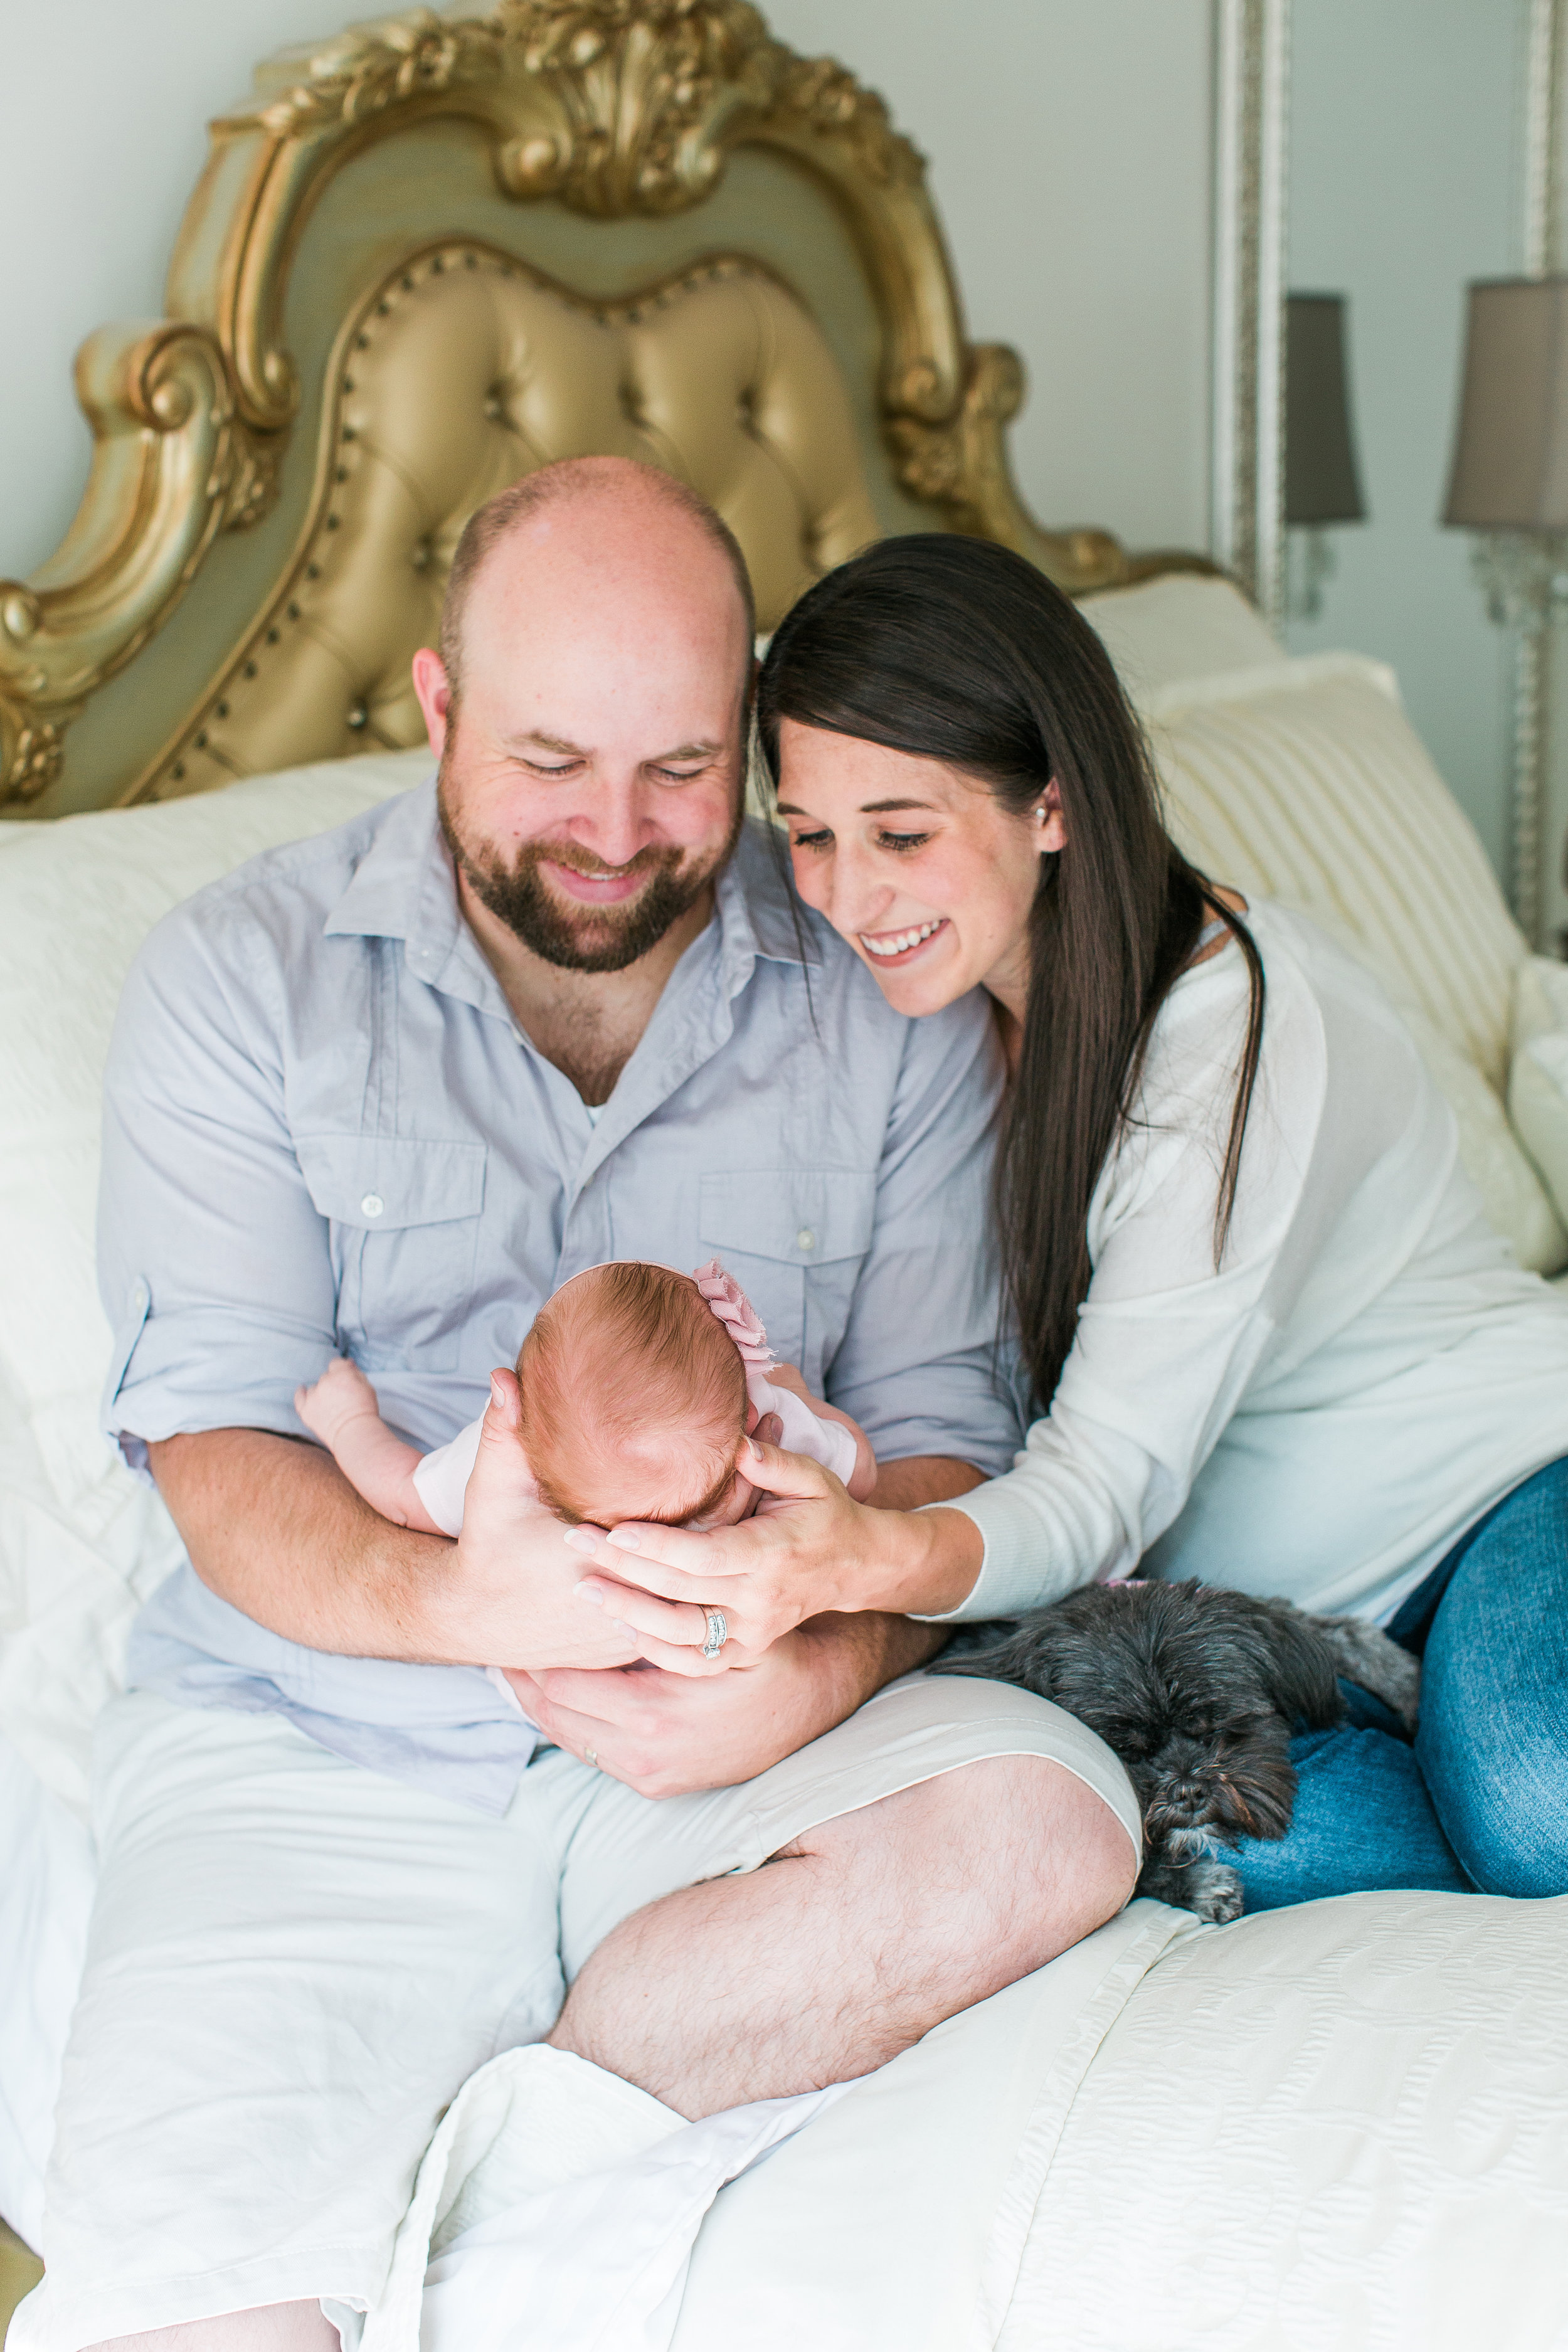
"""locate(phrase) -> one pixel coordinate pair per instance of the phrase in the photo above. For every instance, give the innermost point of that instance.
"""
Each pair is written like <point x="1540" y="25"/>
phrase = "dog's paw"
<point x="1210" y="1888"/>
<point x="1215" y="1891"/>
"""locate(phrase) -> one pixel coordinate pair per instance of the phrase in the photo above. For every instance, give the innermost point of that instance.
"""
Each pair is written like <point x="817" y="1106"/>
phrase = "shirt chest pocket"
<point x="405" y="1219"/>
<point x="794" y="1242"/>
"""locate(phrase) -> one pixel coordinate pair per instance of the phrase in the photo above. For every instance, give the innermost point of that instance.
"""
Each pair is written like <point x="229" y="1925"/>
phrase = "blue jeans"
<point x="1480" y="1799"/>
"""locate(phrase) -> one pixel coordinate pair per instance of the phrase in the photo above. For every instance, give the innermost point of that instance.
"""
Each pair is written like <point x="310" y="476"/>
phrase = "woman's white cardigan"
<point x="1364" y="1376"/>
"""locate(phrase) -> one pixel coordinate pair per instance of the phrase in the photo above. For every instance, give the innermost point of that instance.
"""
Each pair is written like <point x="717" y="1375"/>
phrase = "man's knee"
<point x="272" y="2327"/>
<point x="1011" y="1859"/>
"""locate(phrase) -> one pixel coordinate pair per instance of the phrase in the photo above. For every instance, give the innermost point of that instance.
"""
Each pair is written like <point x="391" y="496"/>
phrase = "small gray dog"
<point x="1199" y="1691"/>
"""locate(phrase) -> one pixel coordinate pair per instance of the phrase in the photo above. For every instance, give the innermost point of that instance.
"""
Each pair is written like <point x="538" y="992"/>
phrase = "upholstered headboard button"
<point x="466" y="370"/>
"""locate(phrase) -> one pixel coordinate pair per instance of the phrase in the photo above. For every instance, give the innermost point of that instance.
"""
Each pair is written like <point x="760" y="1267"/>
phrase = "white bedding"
<point x="820" y="2241"/>
<point x="45" y="1895"/>
<point x="1344" y="2124"/>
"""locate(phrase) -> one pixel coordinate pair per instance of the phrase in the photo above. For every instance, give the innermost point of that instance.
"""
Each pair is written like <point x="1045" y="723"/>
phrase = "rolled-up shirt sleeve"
<point x="922" y="1365"/>
<point x="214" y="1262"/>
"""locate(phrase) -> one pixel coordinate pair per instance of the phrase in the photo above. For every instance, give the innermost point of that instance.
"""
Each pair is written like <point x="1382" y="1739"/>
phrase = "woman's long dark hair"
<point x="955" y="649"/>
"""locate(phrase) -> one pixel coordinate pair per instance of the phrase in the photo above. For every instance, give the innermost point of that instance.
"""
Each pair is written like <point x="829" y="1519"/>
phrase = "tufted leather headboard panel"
<point x="466" y="369"/>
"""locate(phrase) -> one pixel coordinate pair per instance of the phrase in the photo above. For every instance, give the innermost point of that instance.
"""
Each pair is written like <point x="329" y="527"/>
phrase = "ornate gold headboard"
<point x="430" y="255"/>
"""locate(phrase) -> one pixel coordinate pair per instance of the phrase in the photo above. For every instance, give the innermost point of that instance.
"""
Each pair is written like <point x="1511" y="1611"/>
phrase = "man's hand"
<point x="273" y="1528"/>
<point x="505" y="1601"/>
<point x="666" y="1735"/>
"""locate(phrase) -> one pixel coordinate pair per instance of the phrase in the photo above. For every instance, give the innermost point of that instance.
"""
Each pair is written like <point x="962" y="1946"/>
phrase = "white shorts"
<point x="294" y="1965"/>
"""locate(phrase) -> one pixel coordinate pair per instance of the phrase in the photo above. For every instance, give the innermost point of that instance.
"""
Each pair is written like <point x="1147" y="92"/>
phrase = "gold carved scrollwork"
<point x="172" y="467"/>
<point x="643" y="97"/>
<point x="614" y="108"/>
<point x="370" y="67"/>
<point x="963" y="465"/>
<point x="652" y="93"/>
<point x="36" y="757"/>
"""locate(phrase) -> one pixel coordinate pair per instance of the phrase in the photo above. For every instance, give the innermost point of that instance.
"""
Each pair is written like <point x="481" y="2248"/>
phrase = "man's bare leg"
<point x="849" y="1945"/>
<point x="839" y="1953"/>
<point x="272" y="2327"/>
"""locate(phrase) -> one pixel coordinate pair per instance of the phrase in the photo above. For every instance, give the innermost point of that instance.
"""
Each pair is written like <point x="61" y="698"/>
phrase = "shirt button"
<point x="805" y="1239"/>
<point x="372" y="1205"/>
<point x="140" y="1296"/>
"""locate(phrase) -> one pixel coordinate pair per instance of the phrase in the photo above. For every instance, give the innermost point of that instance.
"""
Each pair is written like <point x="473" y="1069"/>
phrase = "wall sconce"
<point x="1509" y="486"/>
<point x="1321" y="486"/>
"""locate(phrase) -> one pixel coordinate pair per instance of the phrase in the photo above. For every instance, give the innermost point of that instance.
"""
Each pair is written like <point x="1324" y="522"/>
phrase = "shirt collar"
<point x="389" y="889"/>
<point x="403" y="888"/>
<point x="759" y="912"/>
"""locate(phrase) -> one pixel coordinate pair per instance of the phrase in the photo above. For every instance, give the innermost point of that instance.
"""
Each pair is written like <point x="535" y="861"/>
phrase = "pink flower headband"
<point x="744" y="1325"/>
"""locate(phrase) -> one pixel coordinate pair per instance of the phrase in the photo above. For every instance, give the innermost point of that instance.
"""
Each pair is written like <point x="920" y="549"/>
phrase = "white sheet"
<point x="1338" y="2128"/>
<point x="555" y="2190"/>
<point x="45" y="1895"/>
<point x="1341" y="2124"/>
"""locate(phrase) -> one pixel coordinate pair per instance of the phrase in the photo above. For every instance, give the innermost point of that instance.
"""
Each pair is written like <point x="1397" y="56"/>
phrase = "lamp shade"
<point x="1321" y="481"/>
<point x="1510" y="456"/>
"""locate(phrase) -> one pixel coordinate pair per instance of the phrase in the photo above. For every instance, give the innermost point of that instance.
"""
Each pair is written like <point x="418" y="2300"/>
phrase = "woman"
<point x="1269" y="1336"/>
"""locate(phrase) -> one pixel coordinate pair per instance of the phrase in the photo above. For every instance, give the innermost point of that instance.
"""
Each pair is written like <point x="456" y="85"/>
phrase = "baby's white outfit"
<point x="441" y="1479"/>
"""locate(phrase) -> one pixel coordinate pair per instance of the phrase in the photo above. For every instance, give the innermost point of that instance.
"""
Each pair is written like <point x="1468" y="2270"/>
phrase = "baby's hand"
<point x="341" y="1395"/>
<point x="863" y="1477"/>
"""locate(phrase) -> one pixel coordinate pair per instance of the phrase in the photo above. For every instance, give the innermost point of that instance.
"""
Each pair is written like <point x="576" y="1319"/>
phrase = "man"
<point x="381" y="1092"/>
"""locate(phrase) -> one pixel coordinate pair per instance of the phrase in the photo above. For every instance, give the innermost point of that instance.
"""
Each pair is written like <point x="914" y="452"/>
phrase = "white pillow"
<point x="80" y="1539"/>
<point x="1303" y="780"/>
<point x="1178" y="629"/>
<point x="1538" y="1082"/>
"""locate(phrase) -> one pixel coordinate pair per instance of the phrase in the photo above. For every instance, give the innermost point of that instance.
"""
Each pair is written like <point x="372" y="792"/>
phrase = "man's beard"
<point x="581" y="938"/>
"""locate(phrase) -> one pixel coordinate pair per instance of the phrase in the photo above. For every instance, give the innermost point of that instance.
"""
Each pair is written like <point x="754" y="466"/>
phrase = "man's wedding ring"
<point x="717" y="1632"/>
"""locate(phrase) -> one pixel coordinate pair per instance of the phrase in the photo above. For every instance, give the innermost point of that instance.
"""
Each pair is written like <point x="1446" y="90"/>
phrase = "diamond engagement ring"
<point x="717" y="1632"/>
<point x="590" y="1757"/>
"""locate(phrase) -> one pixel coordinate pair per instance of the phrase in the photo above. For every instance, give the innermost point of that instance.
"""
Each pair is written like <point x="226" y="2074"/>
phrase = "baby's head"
<point x="633" y="1399"/>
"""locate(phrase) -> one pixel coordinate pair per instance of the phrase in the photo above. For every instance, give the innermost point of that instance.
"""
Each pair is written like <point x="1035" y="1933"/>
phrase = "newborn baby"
<point x="638" y="1385"/>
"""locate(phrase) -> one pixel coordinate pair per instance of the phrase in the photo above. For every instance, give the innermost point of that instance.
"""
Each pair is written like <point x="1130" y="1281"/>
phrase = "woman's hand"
<point x="808" y="1550"/>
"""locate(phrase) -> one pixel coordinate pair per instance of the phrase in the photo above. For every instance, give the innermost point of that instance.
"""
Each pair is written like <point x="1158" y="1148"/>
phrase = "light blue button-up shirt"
<point x="325" y="1133"/>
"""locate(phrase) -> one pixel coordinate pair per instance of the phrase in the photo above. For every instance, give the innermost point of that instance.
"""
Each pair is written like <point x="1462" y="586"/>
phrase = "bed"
<point x="424" y="257"/>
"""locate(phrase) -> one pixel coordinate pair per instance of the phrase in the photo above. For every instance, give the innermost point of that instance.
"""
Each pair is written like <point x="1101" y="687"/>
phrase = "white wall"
<point x="103" y="108"/>
<point x="1070" y="152"/>
<point x="1068" y="145"/>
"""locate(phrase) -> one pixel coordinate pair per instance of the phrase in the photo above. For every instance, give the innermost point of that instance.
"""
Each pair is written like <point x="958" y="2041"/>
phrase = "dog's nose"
<point x="1189" y="1797"/>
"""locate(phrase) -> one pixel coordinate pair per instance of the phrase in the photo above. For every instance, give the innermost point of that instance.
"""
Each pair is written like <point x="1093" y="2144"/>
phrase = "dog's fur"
<point x="1199" y="1691"/>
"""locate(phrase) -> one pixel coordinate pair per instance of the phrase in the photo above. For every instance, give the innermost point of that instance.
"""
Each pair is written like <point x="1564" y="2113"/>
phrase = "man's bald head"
<point x="599" y="623"/>
<point x="589" y="481"/>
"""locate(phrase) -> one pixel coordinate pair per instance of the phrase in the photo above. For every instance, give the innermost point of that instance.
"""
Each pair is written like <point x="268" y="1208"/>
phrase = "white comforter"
<point x="1344" y="2124"/>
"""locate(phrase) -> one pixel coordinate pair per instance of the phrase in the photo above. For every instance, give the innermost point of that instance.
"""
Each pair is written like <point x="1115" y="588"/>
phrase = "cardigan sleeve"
<point x="1167" y="1342"/>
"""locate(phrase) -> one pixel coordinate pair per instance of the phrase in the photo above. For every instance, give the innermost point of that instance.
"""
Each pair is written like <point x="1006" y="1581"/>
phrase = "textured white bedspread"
<point x="1340" y="2126"/>
<point x="1345" y="2124"/>
<point x="559" y="2207"/>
